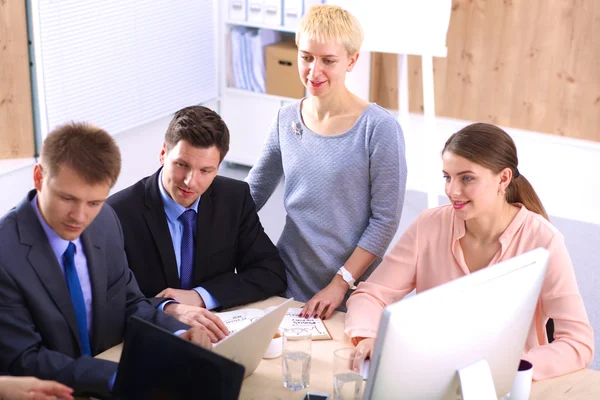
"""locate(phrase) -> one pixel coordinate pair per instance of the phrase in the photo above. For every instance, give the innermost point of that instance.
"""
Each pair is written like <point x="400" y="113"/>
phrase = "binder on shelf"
<point x="273" y="12"/>
<point x="247" y="57"/>
<point x="249" y="34"/>
<point x="292" y="12"/>
<point x="237" y="58"/>
<point x="237" y="10"/>
<point x="265" y="37"/>
<point x="256" y="13"/>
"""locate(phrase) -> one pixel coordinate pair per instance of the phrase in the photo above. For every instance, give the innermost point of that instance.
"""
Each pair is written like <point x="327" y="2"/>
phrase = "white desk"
<point x="265" y="382"/>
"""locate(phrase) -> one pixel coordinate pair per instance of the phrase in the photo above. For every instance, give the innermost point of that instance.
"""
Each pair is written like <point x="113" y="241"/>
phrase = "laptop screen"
<point x="156" y="364"/>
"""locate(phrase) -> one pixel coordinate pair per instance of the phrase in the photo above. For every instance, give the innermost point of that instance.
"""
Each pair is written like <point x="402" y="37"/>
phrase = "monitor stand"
<point x="476" y="382"/>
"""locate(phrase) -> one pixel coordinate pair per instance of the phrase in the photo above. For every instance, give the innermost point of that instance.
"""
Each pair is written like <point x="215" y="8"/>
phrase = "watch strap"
<point x="347" y="277"/>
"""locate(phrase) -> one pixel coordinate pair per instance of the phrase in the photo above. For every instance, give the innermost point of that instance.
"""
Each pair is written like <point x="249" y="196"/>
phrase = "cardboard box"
<point x="281" y="69"/>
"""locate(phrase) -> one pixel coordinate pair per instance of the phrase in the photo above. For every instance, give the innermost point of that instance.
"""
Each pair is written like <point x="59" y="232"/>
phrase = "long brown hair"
<point x="492" y="148"/>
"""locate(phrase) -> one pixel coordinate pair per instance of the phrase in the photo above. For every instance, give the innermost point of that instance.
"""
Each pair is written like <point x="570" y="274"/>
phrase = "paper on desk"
<point x="236" y="320"/>
<point x="302" y="326"/>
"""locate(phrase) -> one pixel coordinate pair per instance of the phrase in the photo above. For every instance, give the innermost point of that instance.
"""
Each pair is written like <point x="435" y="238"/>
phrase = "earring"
<point x="501" y="192"/>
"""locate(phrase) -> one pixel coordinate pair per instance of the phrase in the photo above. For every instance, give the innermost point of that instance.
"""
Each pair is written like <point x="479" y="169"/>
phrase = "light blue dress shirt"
<point x="173" y="210"/>
<point x="59" y="245"/>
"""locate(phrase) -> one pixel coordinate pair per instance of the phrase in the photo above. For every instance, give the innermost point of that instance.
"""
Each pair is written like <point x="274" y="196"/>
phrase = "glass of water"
<point x="347" y="381"/>
<point x="296" y="360"/>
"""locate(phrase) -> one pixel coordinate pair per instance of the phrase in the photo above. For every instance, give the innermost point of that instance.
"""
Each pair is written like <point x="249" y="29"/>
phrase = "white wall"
<point x="140" y="148"/>
<point x="16" y="179"/>
<point x="564" y="172"/>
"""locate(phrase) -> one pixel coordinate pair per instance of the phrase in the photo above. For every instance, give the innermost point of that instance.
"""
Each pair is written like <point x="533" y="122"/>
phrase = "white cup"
<point x="521" y="387"/>
<point x="275" y="346"/>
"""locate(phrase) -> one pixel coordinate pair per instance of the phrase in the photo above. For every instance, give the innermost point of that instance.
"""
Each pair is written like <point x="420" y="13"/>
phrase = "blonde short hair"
<point x="326" y="22"/>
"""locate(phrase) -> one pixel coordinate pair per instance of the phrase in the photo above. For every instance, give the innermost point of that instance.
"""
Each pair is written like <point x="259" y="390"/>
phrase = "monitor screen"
<point x="423" y="341"/>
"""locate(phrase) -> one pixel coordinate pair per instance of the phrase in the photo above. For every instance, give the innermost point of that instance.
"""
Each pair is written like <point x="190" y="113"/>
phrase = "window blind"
<point x="121" y="63"/>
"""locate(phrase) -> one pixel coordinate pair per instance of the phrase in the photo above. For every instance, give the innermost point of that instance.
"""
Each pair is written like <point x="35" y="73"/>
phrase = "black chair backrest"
<point x="550" y="330"/>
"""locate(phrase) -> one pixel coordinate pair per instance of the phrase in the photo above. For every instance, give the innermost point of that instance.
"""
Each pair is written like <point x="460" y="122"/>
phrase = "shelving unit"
<point x="261" y="26"/>
<point x="248" y="93"/>
<point x="248" y="114"/>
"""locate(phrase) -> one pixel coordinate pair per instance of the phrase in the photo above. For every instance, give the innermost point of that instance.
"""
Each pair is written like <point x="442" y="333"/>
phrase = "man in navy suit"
<point x="193" y="236"/>
<point x="66" y="291"/>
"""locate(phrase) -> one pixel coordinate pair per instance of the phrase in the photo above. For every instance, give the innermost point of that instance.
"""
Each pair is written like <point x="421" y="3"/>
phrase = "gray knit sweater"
<point x="340" y="192"/>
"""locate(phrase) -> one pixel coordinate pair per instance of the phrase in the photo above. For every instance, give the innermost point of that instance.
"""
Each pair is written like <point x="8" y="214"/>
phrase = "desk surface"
<point x="265" y="382"/>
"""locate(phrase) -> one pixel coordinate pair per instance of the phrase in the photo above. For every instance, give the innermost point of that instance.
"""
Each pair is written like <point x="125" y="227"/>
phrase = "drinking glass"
<point x="347" y="381"/>
<point x="296" y="360"/>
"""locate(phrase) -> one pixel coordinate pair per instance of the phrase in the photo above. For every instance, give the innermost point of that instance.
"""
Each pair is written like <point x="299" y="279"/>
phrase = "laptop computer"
<point x="248" y="345"/>
<point x="156" y="364"/>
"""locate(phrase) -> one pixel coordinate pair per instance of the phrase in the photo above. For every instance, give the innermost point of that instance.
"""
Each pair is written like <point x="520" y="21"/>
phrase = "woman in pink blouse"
<point x="494" y="215"/>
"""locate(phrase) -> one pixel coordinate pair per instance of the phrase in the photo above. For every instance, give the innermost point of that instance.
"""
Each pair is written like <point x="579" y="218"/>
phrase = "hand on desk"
<point x="17" y="388"/>
<point x="198" y="335"/>
<point x="196" y="316"/>
<point x="365" y="346"/>
<point x="324" y="303"/>
<point x="189" y="297"/>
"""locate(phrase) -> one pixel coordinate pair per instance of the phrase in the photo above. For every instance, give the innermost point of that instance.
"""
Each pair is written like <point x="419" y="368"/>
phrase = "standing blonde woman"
<point x="344" y="170"/>
<point x="494" y="215"/>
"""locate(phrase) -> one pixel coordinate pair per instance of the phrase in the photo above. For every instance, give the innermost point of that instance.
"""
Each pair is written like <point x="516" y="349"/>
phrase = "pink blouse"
<point x="429" y="254"/>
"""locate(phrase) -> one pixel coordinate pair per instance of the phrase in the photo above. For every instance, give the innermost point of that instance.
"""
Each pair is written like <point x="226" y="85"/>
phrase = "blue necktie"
<point x="186" y="274"/>
<point x="77" y="299"/>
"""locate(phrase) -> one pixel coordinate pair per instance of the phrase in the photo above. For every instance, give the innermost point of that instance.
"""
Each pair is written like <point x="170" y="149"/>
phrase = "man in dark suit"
<point x="192" y="235"/>
<point x="65" y="289"/>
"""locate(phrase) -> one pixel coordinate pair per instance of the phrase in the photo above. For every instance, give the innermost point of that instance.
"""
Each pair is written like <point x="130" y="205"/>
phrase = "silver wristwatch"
<point x="347" y="276"/>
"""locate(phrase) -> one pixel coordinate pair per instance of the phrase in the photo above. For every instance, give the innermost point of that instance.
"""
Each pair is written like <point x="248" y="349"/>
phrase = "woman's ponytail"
<point x="521" y="191"/>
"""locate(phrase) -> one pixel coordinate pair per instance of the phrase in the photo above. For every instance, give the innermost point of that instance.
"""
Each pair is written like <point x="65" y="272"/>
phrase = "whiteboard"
<point x="121" y="63"/>
<point x="416" y="27"/>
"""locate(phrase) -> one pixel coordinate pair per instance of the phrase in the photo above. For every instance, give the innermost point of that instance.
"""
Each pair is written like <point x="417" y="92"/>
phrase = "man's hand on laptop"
<point x="196" y="316"/>
<point x="189" y="297"/>
<point x="198" y="335"/>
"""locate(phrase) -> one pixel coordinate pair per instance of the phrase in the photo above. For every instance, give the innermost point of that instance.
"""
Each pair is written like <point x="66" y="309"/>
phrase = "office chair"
<point x="550" y="330"/>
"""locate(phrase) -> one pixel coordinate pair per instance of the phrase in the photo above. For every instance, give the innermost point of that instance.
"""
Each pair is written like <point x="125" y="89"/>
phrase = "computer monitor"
<point x="425" y="342"/>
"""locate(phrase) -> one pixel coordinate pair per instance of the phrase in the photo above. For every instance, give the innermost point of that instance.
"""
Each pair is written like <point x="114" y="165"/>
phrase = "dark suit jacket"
<point x="38" y="328"/>
<point x="229" y="236"/>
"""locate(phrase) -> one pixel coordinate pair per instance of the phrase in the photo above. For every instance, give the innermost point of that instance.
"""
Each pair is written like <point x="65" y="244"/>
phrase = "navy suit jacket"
<point x="229" y="238"/>
<point x="38" y="328"/>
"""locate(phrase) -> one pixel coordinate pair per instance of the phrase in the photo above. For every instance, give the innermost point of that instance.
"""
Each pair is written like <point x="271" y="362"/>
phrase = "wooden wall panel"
<point x="530" y="64"/>
<point x="384" y="83"/>
<point x="16" y="118"/>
